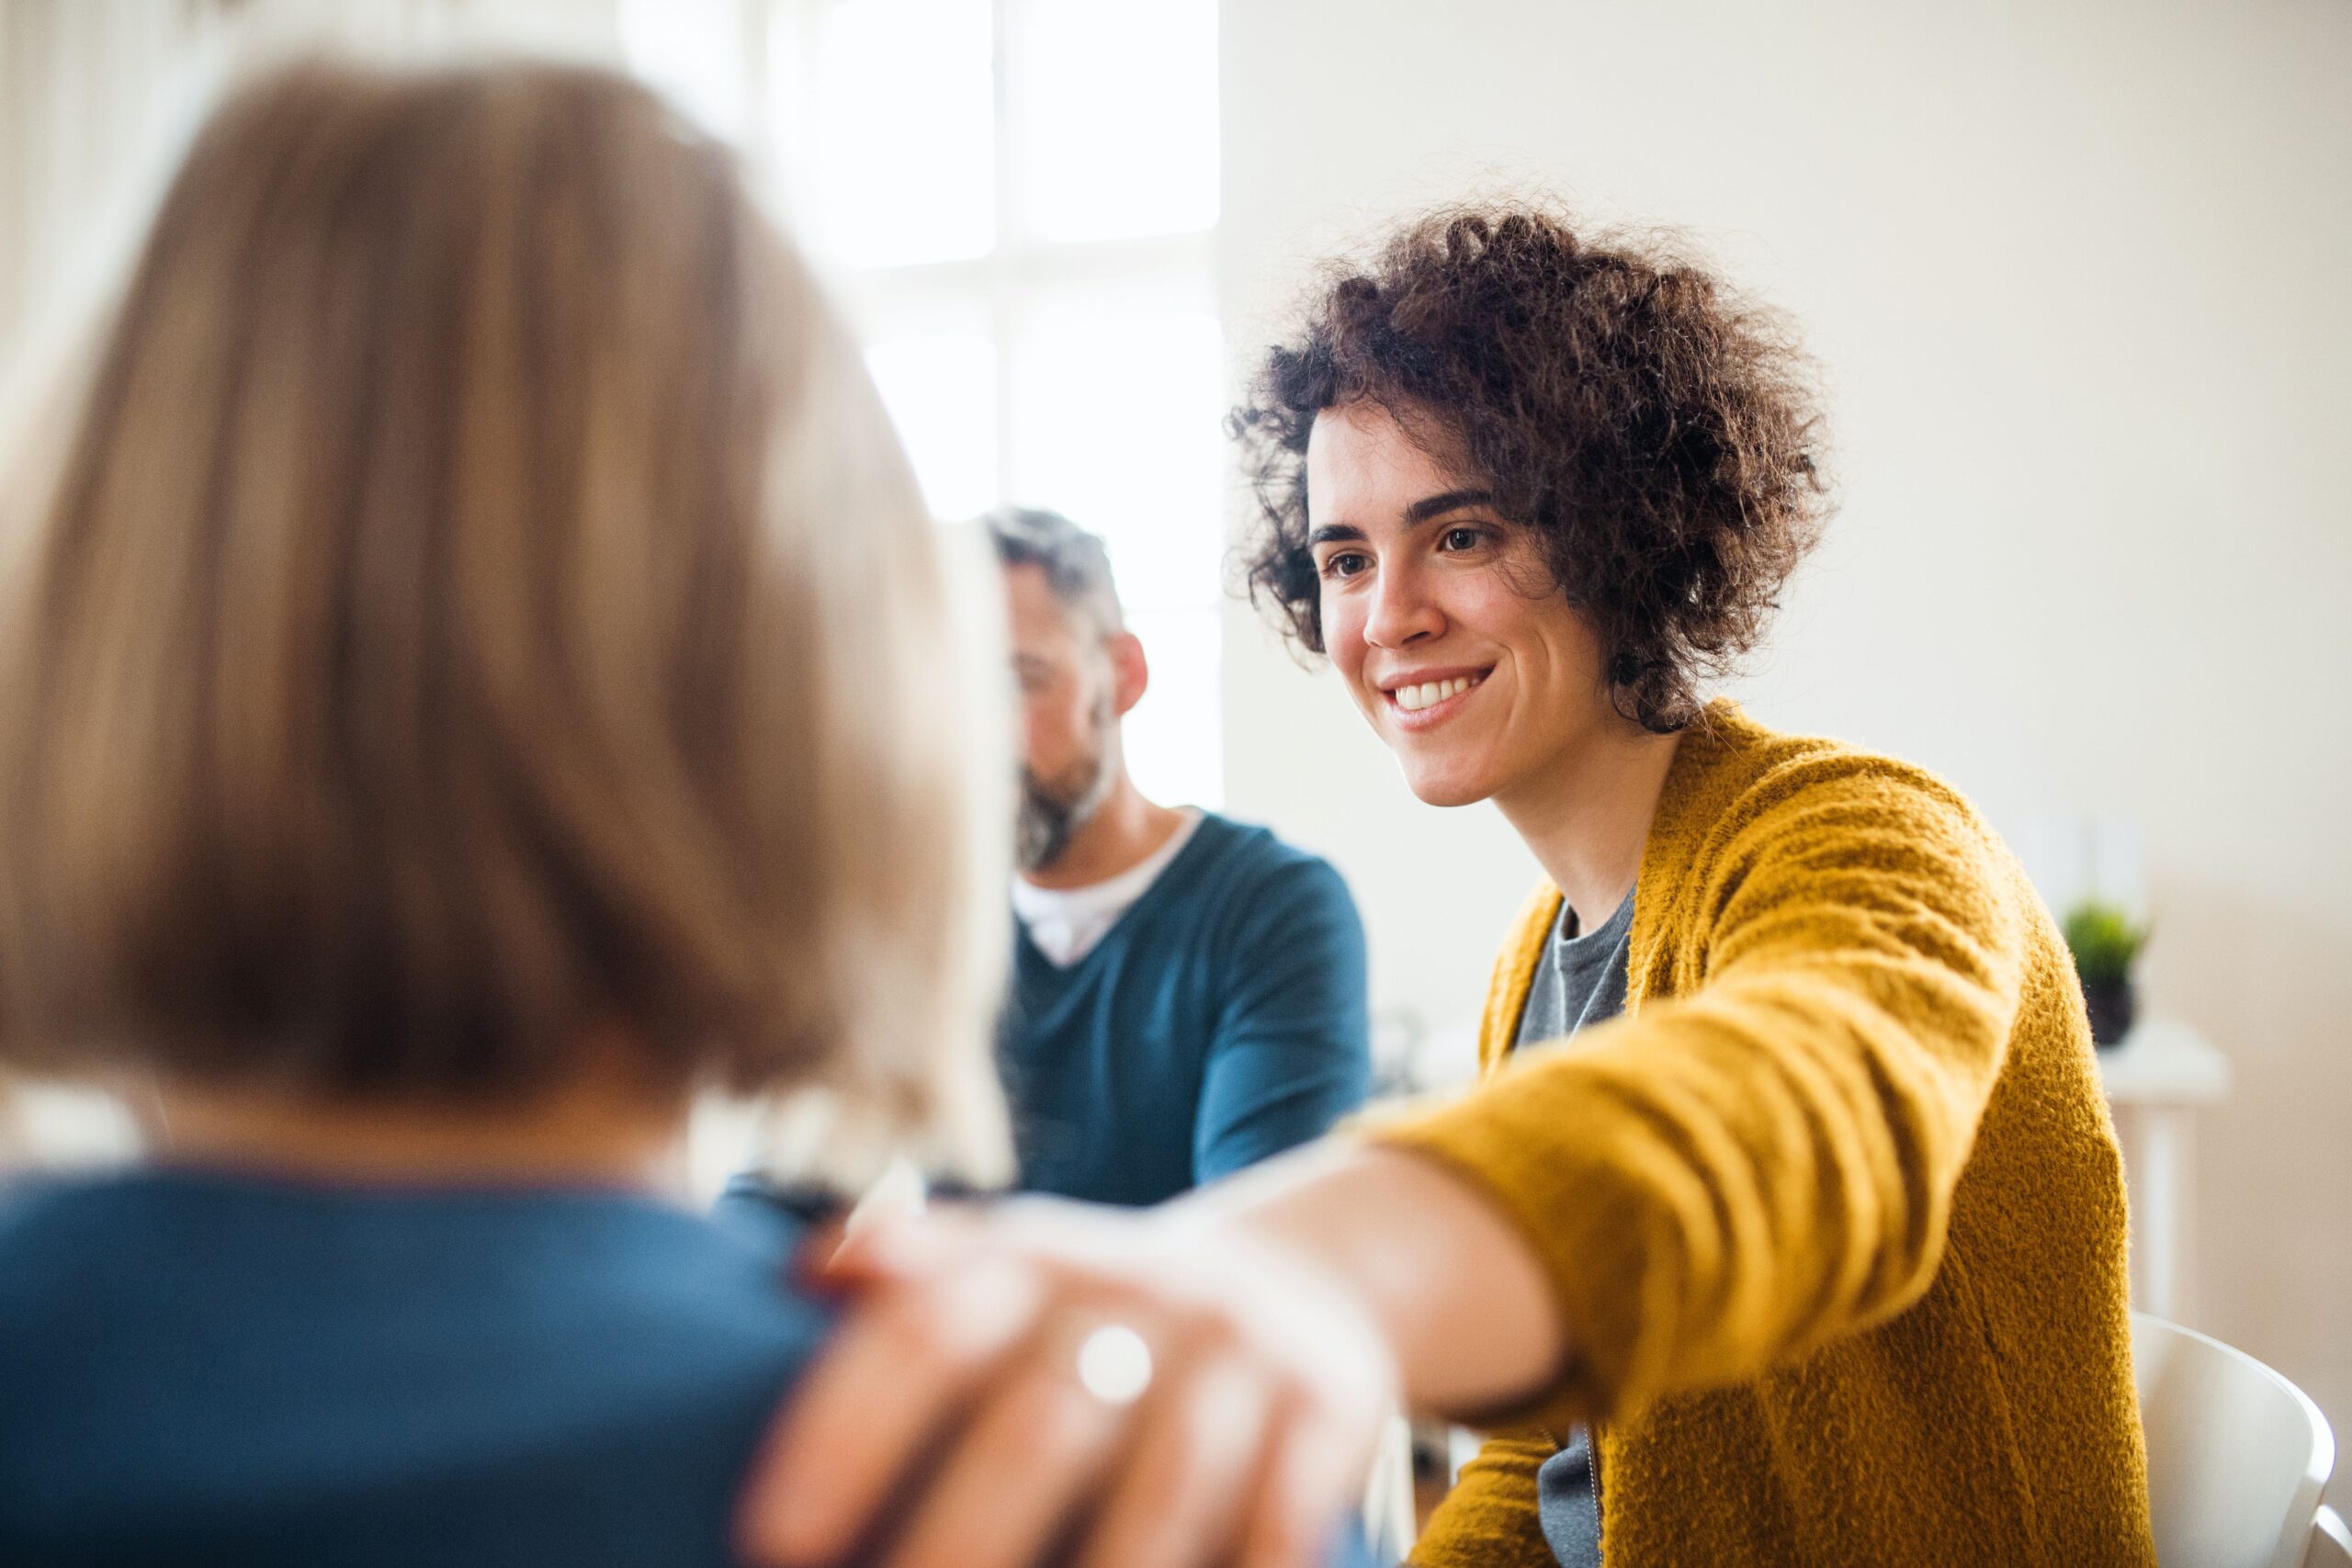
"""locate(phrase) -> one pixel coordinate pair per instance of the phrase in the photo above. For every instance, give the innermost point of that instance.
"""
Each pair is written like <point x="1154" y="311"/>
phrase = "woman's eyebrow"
<point x="1332" y="532"/>
<point x="1450" y="501"/>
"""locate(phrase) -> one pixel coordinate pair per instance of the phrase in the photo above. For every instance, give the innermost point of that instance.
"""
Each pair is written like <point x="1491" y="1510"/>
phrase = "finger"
<point x="1039" y="1442"/>
<point x="1185" y="1484"/>
<point x="898" y="1250"/>
<point x="903" y="1360"/>
<point x="1312" y="1481"/>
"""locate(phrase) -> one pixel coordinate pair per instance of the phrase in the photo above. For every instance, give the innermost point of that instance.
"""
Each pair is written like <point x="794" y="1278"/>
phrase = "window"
<point x="1017" y="199"/>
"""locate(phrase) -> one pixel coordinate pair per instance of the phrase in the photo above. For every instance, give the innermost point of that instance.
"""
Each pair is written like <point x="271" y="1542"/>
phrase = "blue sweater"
<point x="208" y="1370"/>
<point x="1221" y="1021"/>
<point x="211" y="1370"/>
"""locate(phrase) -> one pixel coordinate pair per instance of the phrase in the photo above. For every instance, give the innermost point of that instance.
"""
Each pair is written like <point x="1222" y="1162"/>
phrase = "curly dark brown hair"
<point x="1658" y="433"/>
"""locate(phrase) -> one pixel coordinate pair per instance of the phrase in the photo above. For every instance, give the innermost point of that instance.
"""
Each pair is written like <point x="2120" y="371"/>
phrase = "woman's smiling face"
<point x="1442" y="618"/>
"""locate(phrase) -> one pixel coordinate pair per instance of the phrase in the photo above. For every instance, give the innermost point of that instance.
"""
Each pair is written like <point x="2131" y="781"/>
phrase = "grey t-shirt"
<point x="1579" y="981"/>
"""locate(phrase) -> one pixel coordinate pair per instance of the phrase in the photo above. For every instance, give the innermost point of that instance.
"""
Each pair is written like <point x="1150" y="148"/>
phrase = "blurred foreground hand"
<point x="1114" y="1390"/>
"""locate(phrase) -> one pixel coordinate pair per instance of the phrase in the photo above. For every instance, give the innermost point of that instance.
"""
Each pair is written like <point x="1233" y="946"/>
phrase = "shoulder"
<point x="75" y="1309"/>
<point x="57" y="1236"/>
<point x="30" y="1205"/>
<point x="580" y="1369"/>
<point x="1739" y="788"/>
<point x="106" y="1267"/>
<point x="1248" y="859"/>
<point x="1759" y="825"/>
<point x="1255" y="887"/>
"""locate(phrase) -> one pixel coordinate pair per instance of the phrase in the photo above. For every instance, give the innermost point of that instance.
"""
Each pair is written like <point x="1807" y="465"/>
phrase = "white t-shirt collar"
<point x="1067" y="924"/>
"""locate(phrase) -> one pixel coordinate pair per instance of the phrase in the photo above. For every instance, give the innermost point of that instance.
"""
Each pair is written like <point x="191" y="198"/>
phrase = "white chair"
<point x="2237" y="1455"/>
<point x="2331" y="1543"/>
<point x="1389" y="1517"/>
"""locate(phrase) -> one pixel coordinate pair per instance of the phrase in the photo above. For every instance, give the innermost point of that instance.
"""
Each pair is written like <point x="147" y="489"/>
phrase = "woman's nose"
<point x="1402" y="612"/>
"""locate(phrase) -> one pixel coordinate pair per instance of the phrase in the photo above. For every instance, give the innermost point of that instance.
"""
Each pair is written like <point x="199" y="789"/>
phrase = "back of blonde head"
<point x="479" y="603"/>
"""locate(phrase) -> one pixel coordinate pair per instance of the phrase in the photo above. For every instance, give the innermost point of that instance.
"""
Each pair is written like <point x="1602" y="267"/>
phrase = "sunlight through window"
<point x="1117" y="117"/>
<point x="905" y="131"/>
<point x="940" y="392"/>
<point x="1017" y="201"/>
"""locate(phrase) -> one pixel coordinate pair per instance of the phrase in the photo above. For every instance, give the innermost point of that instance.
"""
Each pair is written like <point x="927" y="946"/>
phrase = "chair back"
<point x="1390" y="1519"/>
<point x="2331" y="1543"/>
<point x="2237" y="1455"/>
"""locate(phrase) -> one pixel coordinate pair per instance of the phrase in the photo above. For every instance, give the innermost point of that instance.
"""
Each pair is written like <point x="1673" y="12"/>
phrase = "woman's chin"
<point x="1445" y="786"/>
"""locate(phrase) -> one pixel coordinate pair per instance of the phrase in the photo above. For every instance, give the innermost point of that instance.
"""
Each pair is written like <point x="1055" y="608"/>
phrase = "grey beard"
<point x="1050" y="815"/>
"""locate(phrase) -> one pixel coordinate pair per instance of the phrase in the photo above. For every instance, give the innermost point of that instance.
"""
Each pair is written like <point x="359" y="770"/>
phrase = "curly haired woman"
<point x="1787" y="1225"/>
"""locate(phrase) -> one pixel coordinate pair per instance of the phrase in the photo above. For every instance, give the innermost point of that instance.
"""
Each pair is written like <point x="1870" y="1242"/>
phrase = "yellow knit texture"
<point x="1835" y="1214"/>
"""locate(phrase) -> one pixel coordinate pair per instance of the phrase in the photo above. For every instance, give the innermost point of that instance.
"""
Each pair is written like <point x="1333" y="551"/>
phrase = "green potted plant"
<point x="2105" y="942"/>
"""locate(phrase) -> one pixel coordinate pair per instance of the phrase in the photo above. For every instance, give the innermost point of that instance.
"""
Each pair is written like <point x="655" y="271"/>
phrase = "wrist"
<point x="1445" y="1279"/>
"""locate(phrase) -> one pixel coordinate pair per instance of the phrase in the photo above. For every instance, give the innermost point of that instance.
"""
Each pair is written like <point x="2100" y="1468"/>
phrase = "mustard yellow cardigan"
<point x="1835" y="1214"/>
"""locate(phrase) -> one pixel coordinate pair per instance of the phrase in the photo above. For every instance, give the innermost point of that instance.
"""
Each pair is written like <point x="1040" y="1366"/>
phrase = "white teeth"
<point x="1412" y="699"/>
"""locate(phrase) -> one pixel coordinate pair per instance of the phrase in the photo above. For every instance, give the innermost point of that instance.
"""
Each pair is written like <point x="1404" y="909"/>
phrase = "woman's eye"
<point x="1460" y="539"/>
<point x="1345" y="563"/>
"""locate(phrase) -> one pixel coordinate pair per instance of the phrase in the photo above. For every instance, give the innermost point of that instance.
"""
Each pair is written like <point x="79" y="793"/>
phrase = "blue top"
<point x="207" y="1369"/>
<point x="1222" y="1020"/>
<point x="201" y="1369"/>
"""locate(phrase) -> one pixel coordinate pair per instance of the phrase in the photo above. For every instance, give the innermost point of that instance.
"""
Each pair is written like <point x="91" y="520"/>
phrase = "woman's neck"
<point x="1587" y="818"/>
<point x="602" y="1130"/>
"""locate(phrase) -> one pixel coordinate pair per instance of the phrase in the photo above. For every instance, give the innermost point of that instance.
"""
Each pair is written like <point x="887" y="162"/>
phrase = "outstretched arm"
<point x="1732" y="1177"/>
<point x="1719" y="1182"/>
<point x="1279" y="1308"/>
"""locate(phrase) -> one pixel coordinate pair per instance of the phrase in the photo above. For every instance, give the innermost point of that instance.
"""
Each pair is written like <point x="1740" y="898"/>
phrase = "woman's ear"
<point x="1130" y="671"/>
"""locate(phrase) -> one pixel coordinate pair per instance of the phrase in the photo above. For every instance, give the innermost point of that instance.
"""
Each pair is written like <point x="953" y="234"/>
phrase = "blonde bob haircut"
<point x="473" y="604"/>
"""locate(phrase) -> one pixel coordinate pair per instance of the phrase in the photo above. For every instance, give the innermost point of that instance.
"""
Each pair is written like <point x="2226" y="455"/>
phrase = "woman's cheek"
<point x="1343" y="635"/>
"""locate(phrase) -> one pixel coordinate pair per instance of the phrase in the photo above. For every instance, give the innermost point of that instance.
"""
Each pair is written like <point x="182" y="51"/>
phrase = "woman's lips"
<point x="1432" y="703"/>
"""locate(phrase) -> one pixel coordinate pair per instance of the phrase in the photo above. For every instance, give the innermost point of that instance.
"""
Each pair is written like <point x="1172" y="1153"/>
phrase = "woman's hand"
<point x="952" y="1406"/>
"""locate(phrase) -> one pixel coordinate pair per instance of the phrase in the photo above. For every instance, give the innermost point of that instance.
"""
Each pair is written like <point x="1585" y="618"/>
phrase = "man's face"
<point x="1069" y="716"/>
<point x="1441" y="618"/>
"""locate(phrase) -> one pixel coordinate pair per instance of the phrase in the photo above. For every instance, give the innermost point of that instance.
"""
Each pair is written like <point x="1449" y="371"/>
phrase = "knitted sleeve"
<point x="1765" y="1161"/>
<point x="1489" y="1520"/>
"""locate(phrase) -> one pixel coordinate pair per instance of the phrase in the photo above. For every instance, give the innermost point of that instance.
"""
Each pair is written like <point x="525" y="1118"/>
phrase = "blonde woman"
<point x="474" y="679"/>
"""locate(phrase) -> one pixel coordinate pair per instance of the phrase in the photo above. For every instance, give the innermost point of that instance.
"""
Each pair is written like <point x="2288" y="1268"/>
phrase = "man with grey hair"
<point x="1188" y="992"/>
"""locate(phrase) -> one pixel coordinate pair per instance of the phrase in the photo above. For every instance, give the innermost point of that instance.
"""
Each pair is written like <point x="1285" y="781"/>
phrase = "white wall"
<point x="2077" y="274"/>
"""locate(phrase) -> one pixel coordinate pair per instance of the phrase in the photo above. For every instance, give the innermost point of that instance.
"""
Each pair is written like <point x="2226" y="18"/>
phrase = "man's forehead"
<point x="1040" y="621"/>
